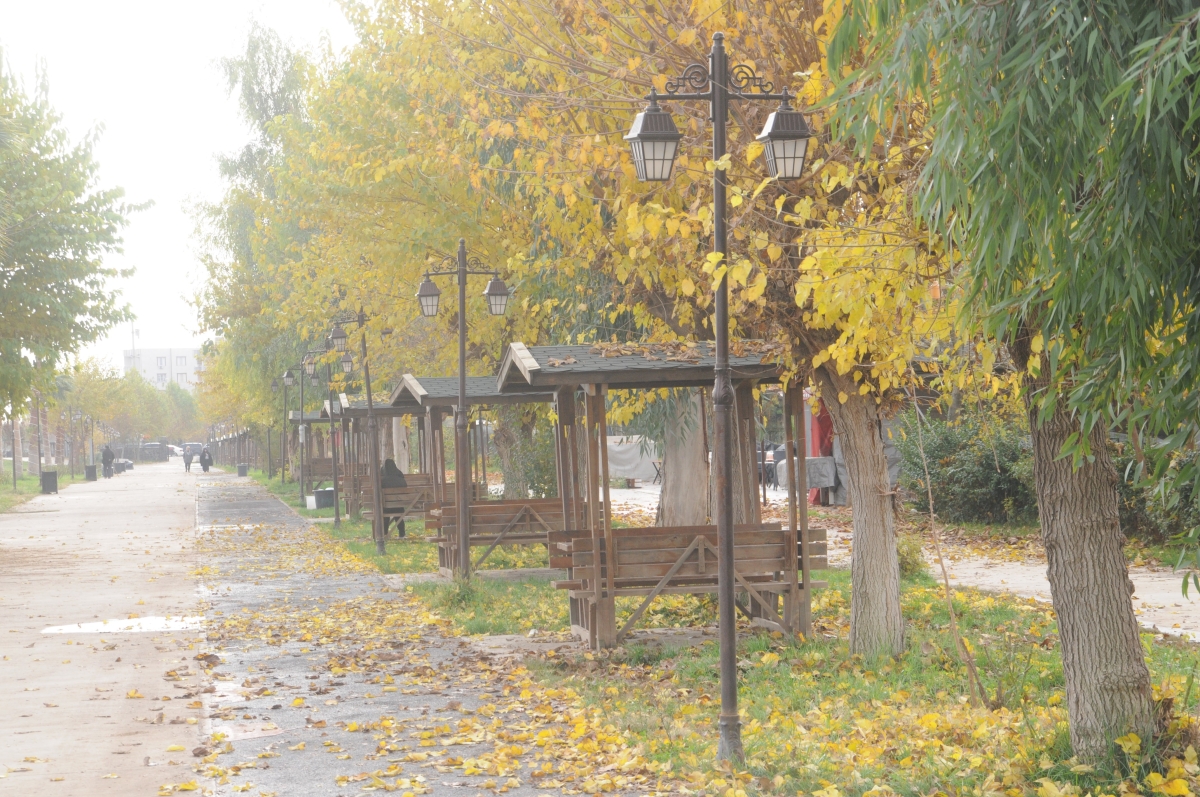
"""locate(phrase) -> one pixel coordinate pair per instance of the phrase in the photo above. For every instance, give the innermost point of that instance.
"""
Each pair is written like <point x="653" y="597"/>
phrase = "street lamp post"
<point x="288" y="380"/>
<point x="340" y="338"/>
<point x="497" y="295"/>
<point x="654" y="142"/>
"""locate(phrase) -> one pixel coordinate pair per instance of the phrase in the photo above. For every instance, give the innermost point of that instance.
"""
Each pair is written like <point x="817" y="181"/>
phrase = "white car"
<point x="176" y="451"/>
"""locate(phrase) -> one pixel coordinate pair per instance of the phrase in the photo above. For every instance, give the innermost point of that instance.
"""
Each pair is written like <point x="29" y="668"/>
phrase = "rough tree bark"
<point x="684" y="498"/>
<point x="513" y="439"/>
<point x="400" y="441"/>
<point x="876" y="621"/>
<point x="387" y="444"/>
<point x="1107" y="682"/>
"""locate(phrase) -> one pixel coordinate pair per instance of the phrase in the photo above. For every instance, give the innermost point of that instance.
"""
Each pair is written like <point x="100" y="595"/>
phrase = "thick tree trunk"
<point x="400" y="440"/>
<point x="684" y="498"/>
<point x="513" y="440"/>
<point x="388" y="431"/>
<point x="1107" y="682"/>
<point x="876" y="621"/>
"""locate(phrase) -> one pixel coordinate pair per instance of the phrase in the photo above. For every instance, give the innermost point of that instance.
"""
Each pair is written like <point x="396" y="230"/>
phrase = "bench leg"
<point x="606" y="622"/>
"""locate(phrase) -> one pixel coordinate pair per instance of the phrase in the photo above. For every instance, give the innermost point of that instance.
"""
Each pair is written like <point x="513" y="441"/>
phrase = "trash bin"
<point x="243" y="470"/>
<point x="323" y="498"/>
<point x="89" y="472"/>
<point x="49" y="482"/>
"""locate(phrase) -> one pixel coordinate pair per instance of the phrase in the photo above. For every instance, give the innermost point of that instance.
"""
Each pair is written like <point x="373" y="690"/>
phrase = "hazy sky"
<point x="149" y="73"/>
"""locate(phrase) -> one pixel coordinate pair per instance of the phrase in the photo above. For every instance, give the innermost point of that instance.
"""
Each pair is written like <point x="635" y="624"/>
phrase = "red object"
<point x="821" y="437"/>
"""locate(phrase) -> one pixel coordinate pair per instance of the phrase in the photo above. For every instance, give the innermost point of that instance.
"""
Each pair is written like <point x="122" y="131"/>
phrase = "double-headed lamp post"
<point x="289" y="379"/>
<point x="654" y="142"/>
<point x="497" y="295"/>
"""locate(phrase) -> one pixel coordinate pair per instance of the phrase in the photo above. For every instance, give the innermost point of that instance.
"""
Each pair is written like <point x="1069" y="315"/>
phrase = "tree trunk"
<point x="18" y="444"/>
<point x="1107" y="682"/>
<point x="684" y="499"/>
<point x="513" y="439"/>
<point x="400" y="441"/>
<point x="876" y="621"/>
<point x="388" y="430"/>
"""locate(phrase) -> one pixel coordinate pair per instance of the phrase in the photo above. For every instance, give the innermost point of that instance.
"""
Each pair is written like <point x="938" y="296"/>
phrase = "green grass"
<point x="28" y="486"/>
<point x="815" y="715"/>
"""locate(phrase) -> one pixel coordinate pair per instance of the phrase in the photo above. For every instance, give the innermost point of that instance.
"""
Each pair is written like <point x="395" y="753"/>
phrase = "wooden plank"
<point x="656" y="555"/>
<point x="658" y="569"/>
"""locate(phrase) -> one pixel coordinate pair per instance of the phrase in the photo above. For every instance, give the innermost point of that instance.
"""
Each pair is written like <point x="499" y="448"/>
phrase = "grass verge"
<point x="28" y="486"/>
<point x="818" y="720"/>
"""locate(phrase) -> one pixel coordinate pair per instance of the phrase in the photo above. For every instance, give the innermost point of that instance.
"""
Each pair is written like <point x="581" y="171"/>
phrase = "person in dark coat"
<point x="206" y="459"/>
<point x="107" y="456"/>
<point x="187" y="461"/>
<point x="392" y="476"/>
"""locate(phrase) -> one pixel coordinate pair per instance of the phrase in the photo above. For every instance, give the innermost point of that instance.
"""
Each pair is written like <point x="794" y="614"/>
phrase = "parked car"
<point x="193" y="448"/>
<point x="176" y="451"/>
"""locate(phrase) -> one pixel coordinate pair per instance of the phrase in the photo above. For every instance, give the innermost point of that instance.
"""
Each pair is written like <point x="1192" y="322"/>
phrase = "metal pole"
<point x="372" y="449"/>
<point x="462" y="468"/>
<point x="337" y="510"/>
<point x="729" y="747"/>
<point x="37" y="407"/>
<point x="283" y="447"/>
<point x="303" y="436"/>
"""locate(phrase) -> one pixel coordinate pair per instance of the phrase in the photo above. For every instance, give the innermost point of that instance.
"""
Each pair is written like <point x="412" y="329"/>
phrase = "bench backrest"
<point x="491" y="518"/>
<point x="648" y="554"/>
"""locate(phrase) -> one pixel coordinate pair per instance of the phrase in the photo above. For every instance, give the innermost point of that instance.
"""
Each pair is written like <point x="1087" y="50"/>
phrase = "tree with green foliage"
<point x="1060" y="162"/>
<point x="56" y="226"/>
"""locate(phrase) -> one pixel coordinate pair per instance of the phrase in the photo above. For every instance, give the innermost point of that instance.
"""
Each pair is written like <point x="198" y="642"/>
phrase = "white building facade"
<point x="160" y="367"/>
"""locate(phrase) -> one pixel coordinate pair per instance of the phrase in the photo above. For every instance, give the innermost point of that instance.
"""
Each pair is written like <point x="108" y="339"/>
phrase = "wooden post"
<point x="791" y="608"/>
<point x="805" y="620"/>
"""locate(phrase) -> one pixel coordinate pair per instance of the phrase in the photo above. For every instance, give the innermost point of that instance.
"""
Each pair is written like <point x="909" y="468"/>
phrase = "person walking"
<point x="187" y="461"/>
<point x="206" y="459"/>
<point x="107" y="456"/>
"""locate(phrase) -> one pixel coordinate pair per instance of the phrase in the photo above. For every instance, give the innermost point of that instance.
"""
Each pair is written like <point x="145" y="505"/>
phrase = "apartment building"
<point x="160" y="367"/>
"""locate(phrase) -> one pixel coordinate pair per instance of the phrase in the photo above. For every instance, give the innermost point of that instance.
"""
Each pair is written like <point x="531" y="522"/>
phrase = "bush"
<point x="1143" y="516"/>
<point x="912" y="556"/>
<point x="981" y="466"/>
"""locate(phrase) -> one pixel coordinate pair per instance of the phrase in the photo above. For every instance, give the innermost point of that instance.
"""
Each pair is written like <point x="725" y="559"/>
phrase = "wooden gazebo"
<point x="491" y="523"/>
<point x="604" y="563"/>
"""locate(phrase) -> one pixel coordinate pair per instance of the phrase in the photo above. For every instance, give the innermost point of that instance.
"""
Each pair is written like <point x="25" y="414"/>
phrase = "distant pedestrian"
<point x="206" y="459"/>
<point x="187" y="461"/>
<point x="107" y="456"/>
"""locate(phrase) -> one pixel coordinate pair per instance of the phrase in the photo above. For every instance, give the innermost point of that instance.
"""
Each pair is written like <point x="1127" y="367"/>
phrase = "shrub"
<point x="912" y="556"/>
<point x="981" y="466"/>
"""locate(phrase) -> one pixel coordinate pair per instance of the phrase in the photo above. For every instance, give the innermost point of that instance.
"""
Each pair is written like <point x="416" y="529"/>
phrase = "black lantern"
<point x="289" y="378"/>
<point x="653" y="141"/>
<point x="347" y="363"/>
<point x="310" y="364"/>
<point x="785" y="138"/>
<point x="313" y="381"/>
<point x="274" y="385"/>
<point x="427" y="296"/>
<point x="339" y="337"/>
<point x="497" y="295"/>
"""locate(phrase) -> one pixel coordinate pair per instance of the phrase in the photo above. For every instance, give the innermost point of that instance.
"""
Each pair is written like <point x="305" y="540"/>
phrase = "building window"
<point x="181" y="360"/>
<point x="162" y="379"/>
<point x="162" y="362"/>
<point x="181" y="378"/>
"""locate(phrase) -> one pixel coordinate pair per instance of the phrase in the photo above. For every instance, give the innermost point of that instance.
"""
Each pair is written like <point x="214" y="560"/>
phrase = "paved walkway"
<point x="86" y="710"/>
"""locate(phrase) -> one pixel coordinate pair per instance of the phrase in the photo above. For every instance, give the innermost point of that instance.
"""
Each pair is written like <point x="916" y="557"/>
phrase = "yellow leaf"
<point x="133" y="694"/>
<point x="774" y="251"/>
<point x="189" y="786"/>
<point x="1174" y="788"/>
<point x="299" y="746"/>
<point x="653" y="224"/>
<point x="175" y="748"/>
<point x="842" y="398"/>
<point x="757" y="288"/>
<point x="1036" y="345"/>
<point x="753" y="151"/>
<point x="687" y="287"/>
<point x="298" y="702"/>
<point x="1131" y="743"/>
<point x="687" y="37"/>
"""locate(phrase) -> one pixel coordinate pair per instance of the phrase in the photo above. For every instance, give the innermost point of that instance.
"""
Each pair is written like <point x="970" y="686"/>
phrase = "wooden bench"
<point x="409" y="501"/>
<point x="495" y="523"/>
<point x="648" y="562"/>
